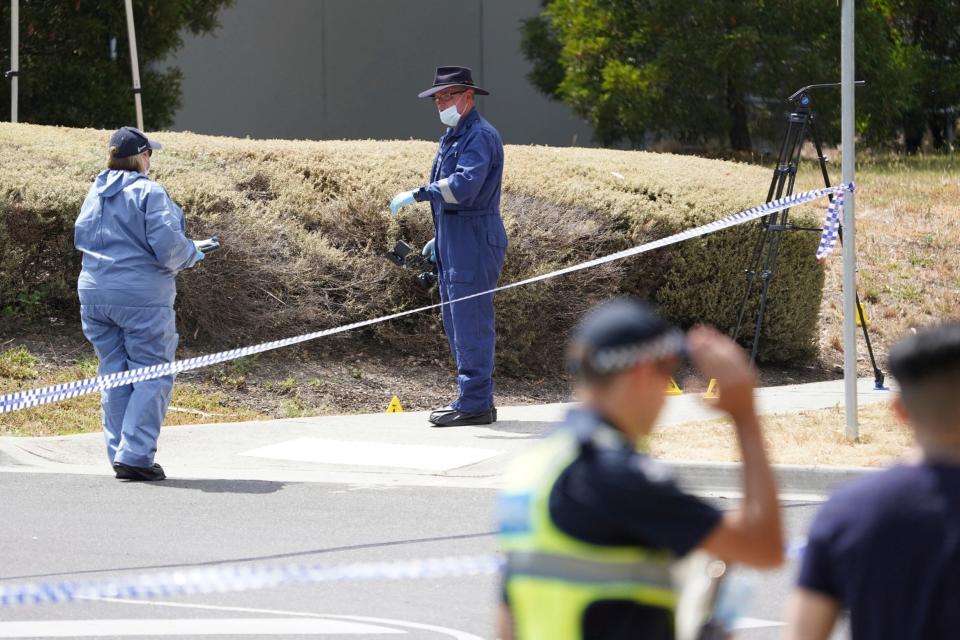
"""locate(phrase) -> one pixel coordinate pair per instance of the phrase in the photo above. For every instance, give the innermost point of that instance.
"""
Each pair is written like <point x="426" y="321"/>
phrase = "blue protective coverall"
<point x="464" y="195"/>
<point x="132" y="236"/>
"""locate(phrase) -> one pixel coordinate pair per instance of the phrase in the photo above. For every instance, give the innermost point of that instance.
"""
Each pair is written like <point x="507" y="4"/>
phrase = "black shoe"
<point x="454" y="418"/>
<point x="437" y="413"/>
<point x="146" y="474"/>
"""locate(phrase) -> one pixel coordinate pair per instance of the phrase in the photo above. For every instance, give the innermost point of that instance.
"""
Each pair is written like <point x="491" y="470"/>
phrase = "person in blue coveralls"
<point x="470" y="242"/>
<point x="132" y="236"/>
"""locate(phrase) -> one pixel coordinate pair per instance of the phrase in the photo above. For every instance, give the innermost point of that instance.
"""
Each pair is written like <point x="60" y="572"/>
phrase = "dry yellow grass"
<point x="808" y="438"/>
<point x="19" y="369"/>
<point x="908" y="251"/>
<point x="191" y="404"/>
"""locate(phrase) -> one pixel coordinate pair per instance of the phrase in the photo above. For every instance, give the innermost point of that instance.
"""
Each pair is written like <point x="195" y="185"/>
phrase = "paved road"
<point x="383" y="449"/>
<point x="313" y="490"/>
<point x="57" y="527"/>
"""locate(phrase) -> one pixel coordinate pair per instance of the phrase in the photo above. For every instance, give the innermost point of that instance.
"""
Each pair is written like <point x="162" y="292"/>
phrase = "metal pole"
<point x="849" y="238"/>
<point x="134" y="65"/>
<point x="14" y="58"/>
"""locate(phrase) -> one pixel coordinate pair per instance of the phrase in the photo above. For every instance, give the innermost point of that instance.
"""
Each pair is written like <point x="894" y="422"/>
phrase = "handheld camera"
<point x="406" y="257"/>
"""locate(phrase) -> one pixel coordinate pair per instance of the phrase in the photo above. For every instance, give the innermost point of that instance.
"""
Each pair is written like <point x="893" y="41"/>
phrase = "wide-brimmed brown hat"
<point x="452" y="77"/>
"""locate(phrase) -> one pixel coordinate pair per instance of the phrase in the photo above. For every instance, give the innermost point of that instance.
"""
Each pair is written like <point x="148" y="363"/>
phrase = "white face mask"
<point x="450" y="116"/>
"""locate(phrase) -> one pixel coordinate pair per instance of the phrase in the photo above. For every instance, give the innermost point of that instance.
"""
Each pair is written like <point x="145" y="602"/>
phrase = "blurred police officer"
<point x="590" y="525"/>
<point x="470" y="242"/>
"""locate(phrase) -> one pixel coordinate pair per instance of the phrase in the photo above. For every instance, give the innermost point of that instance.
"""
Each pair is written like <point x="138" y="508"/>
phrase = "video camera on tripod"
<point x="406" y="257"/>
<point x="763" y="262"/>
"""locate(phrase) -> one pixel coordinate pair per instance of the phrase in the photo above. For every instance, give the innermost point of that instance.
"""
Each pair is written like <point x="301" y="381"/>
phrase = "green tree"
<point x="713" y="71"/>
<point x="75" y="59"/>
<point x="930" y="29"/>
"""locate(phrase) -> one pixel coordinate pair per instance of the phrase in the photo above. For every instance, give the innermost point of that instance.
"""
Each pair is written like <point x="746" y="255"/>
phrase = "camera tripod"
<point x="800" y="126"/>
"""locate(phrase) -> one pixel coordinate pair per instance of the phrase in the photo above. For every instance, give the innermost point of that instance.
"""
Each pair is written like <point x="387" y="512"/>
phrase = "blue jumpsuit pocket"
<point x="463" y="276"/>
<point x="497" y="238"/>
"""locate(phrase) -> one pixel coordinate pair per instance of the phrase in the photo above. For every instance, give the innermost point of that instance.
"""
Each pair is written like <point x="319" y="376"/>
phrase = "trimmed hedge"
<point x="304" y="225"/>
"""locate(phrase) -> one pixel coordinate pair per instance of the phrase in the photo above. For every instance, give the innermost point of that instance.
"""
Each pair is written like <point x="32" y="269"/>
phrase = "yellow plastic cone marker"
<point x="862" y="318"/>
<point x="713" y="390"/>
<point x="673" y="389"/>
<point x="394" y="406"/>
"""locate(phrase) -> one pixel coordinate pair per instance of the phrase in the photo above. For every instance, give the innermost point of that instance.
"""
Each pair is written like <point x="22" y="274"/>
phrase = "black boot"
<point x="137" y="474"/>
<point x="449" y="417"/>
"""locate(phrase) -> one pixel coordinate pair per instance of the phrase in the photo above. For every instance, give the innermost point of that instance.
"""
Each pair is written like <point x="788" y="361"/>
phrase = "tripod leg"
<point x="796" y="133"/>
<point x="821" y="159"/>
<point x="751" y="276"/>
<point x="782" y="177"/>
<point x="878" y="377"/>
<point x="773" y="252"/>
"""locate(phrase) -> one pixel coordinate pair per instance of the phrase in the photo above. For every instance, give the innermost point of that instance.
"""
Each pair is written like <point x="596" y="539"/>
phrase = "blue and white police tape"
<point x="235" y="578"/>
<point x="45" y="395"/>
<point x="831" y="227"/>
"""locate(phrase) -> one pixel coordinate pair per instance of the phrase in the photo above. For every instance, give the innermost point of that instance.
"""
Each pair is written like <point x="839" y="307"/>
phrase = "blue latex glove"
<point x="402" y="199"/>
<point x="200" y="256"/>
<point x="430" y="251"/>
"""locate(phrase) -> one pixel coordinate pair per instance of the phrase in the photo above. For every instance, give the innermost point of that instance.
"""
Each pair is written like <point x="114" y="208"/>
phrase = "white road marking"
<point x="456" y="635"/>
<point x="403" y="624"/>
<point x="373" y="454"/>
<point x="756" y="623"/>
<point x="187" y="627"/>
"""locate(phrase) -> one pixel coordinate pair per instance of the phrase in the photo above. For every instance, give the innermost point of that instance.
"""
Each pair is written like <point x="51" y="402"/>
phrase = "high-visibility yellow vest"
<point x="551" y="577"/>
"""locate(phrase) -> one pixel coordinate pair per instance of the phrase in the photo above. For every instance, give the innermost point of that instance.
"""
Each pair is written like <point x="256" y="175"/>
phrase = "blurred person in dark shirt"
<point x="886" y="548"/>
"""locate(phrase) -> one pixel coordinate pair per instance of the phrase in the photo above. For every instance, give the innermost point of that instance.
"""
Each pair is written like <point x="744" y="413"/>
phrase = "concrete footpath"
<point x="403" y="450"/>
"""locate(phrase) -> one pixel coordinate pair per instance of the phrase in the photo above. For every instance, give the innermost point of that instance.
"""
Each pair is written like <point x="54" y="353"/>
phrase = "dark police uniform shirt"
<point x="887" y="547"/>
<point x="612" y="495"/>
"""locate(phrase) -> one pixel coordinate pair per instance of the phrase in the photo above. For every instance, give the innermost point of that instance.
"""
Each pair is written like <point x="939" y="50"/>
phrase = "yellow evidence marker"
<point x="862" y="319"/>
<point x="673" y="389"/>
<point x="394" y="406"/>
<point x="713" y="390"/>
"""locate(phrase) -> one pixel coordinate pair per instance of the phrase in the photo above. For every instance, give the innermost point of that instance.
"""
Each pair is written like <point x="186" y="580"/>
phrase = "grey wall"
<point x="352" y="69"/>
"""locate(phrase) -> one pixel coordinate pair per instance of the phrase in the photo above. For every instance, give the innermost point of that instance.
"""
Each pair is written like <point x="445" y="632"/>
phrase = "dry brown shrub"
<point x="304" y="225"/>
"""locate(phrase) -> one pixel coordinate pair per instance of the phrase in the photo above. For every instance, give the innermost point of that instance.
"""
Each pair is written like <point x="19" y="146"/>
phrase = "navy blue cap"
<point x="130" y="141"/>
<point x="620" y="334"/>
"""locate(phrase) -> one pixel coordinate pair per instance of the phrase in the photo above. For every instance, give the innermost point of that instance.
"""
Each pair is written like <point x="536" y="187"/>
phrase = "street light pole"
<point x="847" y="124"/>
<point x="14" y="71"/>
<point x="134" y="64"/>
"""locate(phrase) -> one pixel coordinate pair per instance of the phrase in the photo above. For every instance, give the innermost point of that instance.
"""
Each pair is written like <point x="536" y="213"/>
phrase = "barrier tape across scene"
<point x="236" y="578"/>
<point x="55" y="393"/>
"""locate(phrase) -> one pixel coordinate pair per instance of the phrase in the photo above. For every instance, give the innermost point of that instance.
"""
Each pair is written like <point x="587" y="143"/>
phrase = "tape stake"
<point x="673" y="389"/>
<point x="713" y="390"/>
<point x="55" y="393"/>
